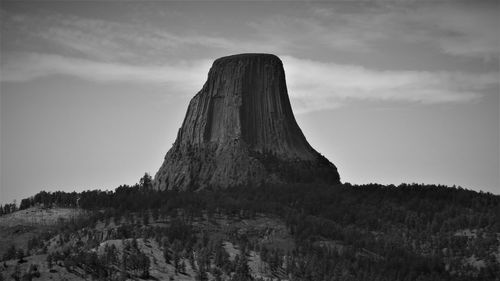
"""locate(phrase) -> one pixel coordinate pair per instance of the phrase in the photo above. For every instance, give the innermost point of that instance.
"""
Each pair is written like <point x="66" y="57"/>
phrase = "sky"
<point x="92" y="93"/>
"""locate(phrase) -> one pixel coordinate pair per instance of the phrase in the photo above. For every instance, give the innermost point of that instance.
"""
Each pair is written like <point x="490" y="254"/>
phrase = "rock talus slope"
<point x="240" y="130"/>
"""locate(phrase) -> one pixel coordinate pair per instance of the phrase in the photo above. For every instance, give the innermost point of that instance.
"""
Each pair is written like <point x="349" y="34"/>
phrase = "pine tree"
<point x="20" y="254"/>
<point x="11" y="253"/>
<point x="242" y="272"/>
<point x="182" y="267"/>
<point x="166" y="255"/>
<point x="146" y="182"/>
<point x="201" y="275"/>
<point x="176" y="262"/>
<point x="16" y="275"/>
<point x="50" y="259"/>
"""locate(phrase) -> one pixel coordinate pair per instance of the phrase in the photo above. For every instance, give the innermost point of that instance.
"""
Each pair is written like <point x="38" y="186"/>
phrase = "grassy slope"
<point x="18" y="227"/>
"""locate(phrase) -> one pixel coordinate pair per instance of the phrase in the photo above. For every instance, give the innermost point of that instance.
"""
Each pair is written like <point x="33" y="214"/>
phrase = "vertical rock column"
<point x="240" y="130"/>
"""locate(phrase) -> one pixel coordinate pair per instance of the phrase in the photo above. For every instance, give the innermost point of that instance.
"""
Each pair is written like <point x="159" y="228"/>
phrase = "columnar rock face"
<point x="240" y="130"/>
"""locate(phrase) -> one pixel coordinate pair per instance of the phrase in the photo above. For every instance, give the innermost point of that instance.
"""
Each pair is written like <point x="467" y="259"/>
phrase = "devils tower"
<point x="240" y="130"/>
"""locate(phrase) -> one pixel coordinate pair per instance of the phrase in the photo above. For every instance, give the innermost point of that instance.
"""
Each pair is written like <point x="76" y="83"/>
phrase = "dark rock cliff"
<point x="240" y="130"/>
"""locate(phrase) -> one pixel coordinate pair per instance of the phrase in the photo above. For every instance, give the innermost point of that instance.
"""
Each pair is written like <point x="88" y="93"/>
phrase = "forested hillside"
<point x="289" y="232"/>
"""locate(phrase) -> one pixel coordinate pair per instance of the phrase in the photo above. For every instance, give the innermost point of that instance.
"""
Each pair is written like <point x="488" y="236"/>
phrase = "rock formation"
<point x="240" y="130"/>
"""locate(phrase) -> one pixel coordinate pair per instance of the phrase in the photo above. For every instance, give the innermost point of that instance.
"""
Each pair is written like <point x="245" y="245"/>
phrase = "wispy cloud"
<point x="451" y="28"/>
<point x="312" y="85"/>
<point x="315" y="85"/>
<point x="112" y="41"/>
<point x="470" y="31"/>
<point x="108" y="51"/>
<point x="456" y="30"/>
<point x="184" y="76"/>
<point x="306" y="33"/>
<point x="95" y="36"/>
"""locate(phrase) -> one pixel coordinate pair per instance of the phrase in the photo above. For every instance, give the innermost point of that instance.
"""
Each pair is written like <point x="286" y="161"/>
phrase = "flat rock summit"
<point x="240" y="130"/>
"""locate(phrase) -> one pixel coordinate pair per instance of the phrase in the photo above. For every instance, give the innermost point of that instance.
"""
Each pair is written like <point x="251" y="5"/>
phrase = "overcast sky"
<point x="93" y="93"/>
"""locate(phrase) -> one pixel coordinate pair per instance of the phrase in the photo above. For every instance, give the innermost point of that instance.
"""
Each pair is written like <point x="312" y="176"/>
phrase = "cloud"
<point x="312" y="85"/>
<point x="467" y="31"/>
<point x="123" y="40"/>
<point x="315" y="85"/>
<point x="454" y="28"/>
<point x="113" y="41"/>
<point x="299" y="34"/>
<point x="451" y="28"/>
<point x="141" y="52"/>
<point x="369" y="28"/>
<point x="184" y="76"/>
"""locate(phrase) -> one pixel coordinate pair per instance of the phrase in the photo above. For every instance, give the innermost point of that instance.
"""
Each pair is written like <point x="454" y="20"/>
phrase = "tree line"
<point x="386" y="232"/>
